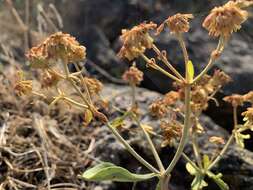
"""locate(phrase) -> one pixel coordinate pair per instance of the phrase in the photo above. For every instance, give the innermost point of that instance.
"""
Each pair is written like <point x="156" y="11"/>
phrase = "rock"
<point x="236" y="165"/>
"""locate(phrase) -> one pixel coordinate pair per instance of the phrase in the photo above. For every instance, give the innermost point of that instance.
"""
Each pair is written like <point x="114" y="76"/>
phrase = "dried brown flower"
<point x="248" y="97"/>
<point x="224" y="20"/>
<point x="22" y="86"/>
<point x="171" y="131"/>
<point x="158" y="108"/>
<point x="94" y="85"/>
<point x="220" y="79"/>
<point x="248" y="115"/>
<point x="50" y="78"/>
<point x="234" y="99"/>
<point x="136" y="41"/>
<point x="56" y="46"/>
<point x="171" y="97"/>
<point x="178" y="23"/>
<point x="216" y="140"/>
<point x="133" y="75"/>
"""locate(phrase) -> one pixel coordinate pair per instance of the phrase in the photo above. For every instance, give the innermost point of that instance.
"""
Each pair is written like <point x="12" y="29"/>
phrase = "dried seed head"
<point x="171" y="131"/>
<point x="94" y="85"/>
<point x="133" y="75"/>
<point x="216" y="140"/>
<point x="220" y="78"/>
<point x="158" y="108"/>
<point x="224" y="20"/>
<point x="248" y="115"/>
<point x="234" y="99"/>
<point x="248" y="97"/>
<point x="22" y="87"/>
<point x="136" y="41"/>
<point x="178" y="23"/>
<point x="243" y="3"/>
<point x="49" y="79"/>
<point x="171" y="98"/>
<point x="56" y="46"/>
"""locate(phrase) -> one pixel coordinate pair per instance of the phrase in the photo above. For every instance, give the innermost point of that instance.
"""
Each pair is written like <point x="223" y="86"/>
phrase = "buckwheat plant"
<point x="178" y="111"/>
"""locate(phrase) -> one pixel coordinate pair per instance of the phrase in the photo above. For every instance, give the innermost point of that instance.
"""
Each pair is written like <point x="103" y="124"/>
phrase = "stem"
<point x="165" y="182"/>
<point x="186" y="57"/>
<point x="166" y="62"/>
<point x="196" y="150"/>
<point x="230" y="140"/>
<point x="152" y="147"/>
<point x="187" y="119"/>
<point x="75" y="103"/>
<point x="133" y="88"/>
<point x="211" y="61"/>
<point x="187" y="124"/>
<point x="191" y="162"/>
<point x="65" y="64"/>
<point x="155" y="66"/>
<point x="131" y="150"/>
<point x="83" y="82"/>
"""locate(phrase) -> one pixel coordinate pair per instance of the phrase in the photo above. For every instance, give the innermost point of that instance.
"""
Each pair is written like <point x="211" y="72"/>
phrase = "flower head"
<point x="171" y="131"/>
<point x="224" y="20"/>
<point x="133" y="75"/>
<point x="56" y="46"/>
<point x="136" y="41"/>
<point x="178" y="23"/>
<point x="235" y="100"/>
<point x="22" y="87"/>
<point x="248" y="115"/>
<point x="94" y="85"/>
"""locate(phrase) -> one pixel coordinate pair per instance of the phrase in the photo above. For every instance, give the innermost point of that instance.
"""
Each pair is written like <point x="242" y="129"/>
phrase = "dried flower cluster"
<point x="22" y="86"/>
<point x="94" y="85"/>
<point x="178" y="23"/>
<point x="159" y="107"/>
<point x="57" y="46"/>
<point x="224" y="20"/>
<point x="136" y="41"/>
<point x="133" y="75"/>
<point x="171" y="131"/>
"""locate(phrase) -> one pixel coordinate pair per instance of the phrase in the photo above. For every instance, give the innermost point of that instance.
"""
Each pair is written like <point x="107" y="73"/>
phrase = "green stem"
<point x="187" y="103"/>
<point x="191" y="162"/>
<point x="196" y="150"/>
<point x="230" y="140"/>
<point x="187" y="124"/>
<point x="156" y="67"/>
<point x="131" y="150"/>
<point x="166" y="62"/>
<point x="152" y="147"/>
<point x="211" y="61"/>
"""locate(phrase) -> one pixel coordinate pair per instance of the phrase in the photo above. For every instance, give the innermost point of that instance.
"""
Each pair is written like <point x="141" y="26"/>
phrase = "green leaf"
<point x="190" y="169"/>
<point x="198" y="182"/>
<point x="206" y="161"/>
<point x="190" y="71"/>
<point x="109" y="172"/>
<point x="217" y="179"/>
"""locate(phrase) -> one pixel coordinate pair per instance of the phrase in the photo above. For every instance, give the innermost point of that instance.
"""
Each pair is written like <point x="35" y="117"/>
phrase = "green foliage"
<point x="190" y="71"/>
<point x="108" y="171"/>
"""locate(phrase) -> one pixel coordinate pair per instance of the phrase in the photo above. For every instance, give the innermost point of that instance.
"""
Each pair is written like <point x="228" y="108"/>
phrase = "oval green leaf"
<point x="109" y="172"/>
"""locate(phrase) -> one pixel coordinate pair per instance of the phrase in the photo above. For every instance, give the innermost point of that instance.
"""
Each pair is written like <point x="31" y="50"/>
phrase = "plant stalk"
<point x="185" y="134"/>
<point x="130" y="149"/>
<point x="151" y="144"/>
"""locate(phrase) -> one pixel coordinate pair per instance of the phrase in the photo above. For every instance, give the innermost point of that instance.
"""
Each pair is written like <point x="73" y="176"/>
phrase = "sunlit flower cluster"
<point x="136" y="41"/>
<point x="56" y="46"/>
<point x="224" y="20"/>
